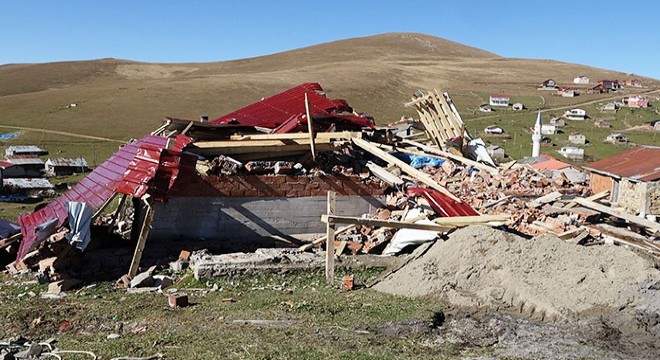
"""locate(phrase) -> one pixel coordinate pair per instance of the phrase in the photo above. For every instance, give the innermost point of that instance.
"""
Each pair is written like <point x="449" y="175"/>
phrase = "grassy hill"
<point x="120" y="99"/>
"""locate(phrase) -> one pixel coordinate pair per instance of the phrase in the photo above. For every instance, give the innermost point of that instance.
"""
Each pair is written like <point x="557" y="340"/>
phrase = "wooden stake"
<point x="330" y="242"/>
<point x="142" y="238"/>
<point x="310" y="128"/>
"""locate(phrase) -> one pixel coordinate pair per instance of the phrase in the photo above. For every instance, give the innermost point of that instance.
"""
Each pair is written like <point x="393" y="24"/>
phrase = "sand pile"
<point x="544" y="278"/>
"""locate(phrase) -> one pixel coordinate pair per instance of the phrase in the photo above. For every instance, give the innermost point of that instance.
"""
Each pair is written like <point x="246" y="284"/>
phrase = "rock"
<point x="113" y="336"/>
<point x="34" y="351"/>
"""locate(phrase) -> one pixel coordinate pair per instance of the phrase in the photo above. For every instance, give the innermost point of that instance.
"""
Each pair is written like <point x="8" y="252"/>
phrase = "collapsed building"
<point x="266" y="170"/>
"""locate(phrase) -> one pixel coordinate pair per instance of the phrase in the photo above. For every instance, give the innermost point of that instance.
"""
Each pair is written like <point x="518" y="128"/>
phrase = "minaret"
<point x="536" y="137"/>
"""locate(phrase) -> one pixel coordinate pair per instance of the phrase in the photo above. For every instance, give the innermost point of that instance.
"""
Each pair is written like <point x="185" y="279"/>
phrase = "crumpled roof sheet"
<point x="290" y="104"/>
<point x="641" y="163"/>
<point x="151" y="162"/>
<point x="442" y="204"/>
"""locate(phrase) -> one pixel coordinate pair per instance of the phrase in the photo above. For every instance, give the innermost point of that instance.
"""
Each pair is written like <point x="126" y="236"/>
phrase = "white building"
<point x="581" y="80"/>
<point x="575" y="114"/>
<point x="577" y="139"/>
<point x="24" y="150"/>
<point x="499" y="100"/>
<point x="616" y="138"/>
<point x="548" y="130"/>
<point x="493" y="130"/>
<point x="572" y="152"/>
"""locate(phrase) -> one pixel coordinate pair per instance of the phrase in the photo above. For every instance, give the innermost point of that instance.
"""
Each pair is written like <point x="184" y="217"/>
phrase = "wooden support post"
<point x="185" y="130"/>
<point x="310" y="128"/>
<point x="118" y="211"/>
<point x="330" y="242"/>
<point x="142" y="238"/>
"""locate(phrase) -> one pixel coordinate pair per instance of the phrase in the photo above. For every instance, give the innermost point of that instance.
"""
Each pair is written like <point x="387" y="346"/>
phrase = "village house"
<point x="572" y="152"/>
<point x="499" y="100"/>
<point x="610" y="106"/>
<point x="549" y="84"/>
<point x="548" y="129"/>
<point x="557" y="121"/>
<point x="26" y="186"/>
<point x="24" y="150"/>
<point x="632" y="178"/>
<point x="581" y="80"/>
<point x="636" y="101"/>
<point x="566" y="92"/>
<point x="577" y="138"/>
<point x="575" y="114"/>
<point x="65" y="166"/>
<point x="602" y="124"/>
<point x="23" y="167"/>
<point x="493" y="130"/>
<point x="496" y="152"/>
<point x="632" y="83"/>
<point x="616" y="138"/>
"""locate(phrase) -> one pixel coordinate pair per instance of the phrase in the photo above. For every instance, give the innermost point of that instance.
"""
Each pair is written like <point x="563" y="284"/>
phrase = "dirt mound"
<point x="543" y="278"/>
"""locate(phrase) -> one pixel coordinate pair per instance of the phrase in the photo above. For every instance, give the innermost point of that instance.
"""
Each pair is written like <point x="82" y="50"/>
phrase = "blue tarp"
<point x="419" y="162"/>
<point x="9" y="136"/>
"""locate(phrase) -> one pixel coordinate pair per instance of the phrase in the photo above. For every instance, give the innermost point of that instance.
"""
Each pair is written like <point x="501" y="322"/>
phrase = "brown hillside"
<point x="123" y="99"/>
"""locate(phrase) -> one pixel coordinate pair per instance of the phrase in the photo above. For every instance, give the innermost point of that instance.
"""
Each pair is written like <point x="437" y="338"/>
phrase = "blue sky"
<point x="606" y="34"/>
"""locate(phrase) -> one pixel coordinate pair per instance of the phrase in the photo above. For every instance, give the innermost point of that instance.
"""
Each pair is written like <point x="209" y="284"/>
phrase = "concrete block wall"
<point x="244" y="217"/>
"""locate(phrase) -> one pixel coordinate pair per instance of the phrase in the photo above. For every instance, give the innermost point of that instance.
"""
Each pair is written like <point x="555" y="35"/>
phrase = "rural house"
<point x="611" y="106"/>
<point x="581" y="80"/>
<point x="549" y="84"/>
<point x="548" y="129"/>
<point x="572" y="152"/>
<point x="499" y="100"/>
<point x="557" y="121"/>
<point x="632" y="178"/>
<point x="632" y="83"/>
<point x="577" y="138"/>
<point x="636" y="101"/>
<point x="24" y="167"/>
<point x="65" y="166"/>
<point x="610" y="85"/>
<point x="566" y="92"/>
<point x="616" y="138"/>
<point x="575" y="114"/>
<point x="24" y="150"/>
<point x="493" y="130"/>
<point x="602" y="124"/>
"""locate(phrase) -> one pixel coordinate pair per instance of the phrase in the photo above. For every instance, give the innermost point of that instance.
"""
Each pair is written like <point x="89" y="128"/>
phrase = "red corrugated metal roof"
<point x="641" y="163"/>
<point x="550" y="164"/>
<point x="443" y="204"/>
<point x="152" y="162"/>
<point x="290" y="105"/>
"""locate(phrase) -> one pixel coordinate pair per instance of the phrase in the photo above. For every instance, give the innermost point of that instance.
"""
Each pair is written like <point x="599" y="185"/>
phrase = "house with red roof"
<point x="632" y="178"/>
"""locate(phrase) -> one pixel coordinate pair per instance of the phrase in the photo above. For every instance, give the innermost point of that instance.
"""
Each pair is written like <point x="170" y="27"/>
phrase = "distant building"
<point x="557" y="121"/>
<point x="518" y="106"/>
<point x="549" y="84"/>
<point x="632" y="178"/>
<point x="23" y="150"/>
<point x="496" y="152"/>
<point x="575" y="114"/>
<point x="569" y="93"/>
<point x="577" y="139"/>
<point x="611" y="106"/>
<point x="26" y="167"/>
<point x="571" y="152"/>
<point x="636" y="101"/>
<point x="499" y="100"/>
<point x="632" y="83"/>
<point x="616" y="138"/>
<point x="25" y="185"/>
<point x="548" y="130"/>
<point x="485" y="108"/>
<point x="602" y="124"/>
<point x="64" y="166"/>
<point x="493" y="130"/>
<point x="581" y="80"/>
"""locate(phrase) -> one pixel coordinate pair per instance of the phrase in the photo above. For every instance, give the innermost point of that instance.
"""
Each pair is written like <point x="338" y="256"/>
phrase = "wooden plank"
<point x="142" y="238"/>
<point x="464" y="160"/>
<point x="310" y="129"/>
<point x="622" y="215"/>
<point x="456" y="125"/>
<point x="385" y="223"/>
<point x="229" y="144"/>
<point x="419" y="175"/>
<point x="330" y="241"/>
<point x="427" y="120"/>
<point x="471" y="220"/>
<point x="386" y="176"/>
<point x="260" y="148"/>
<point x="548" y="198"/>
<point x="323" y="238"/>
<point x="595" y="197"/>
<point x="340" y="135"/>
<point x="442" y="116"/>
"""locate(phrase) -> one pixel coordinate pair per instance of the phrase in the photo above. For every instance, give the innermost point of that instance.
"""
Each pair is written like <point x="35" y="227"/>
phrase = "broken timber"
<point x="330" y="241"/>
<point x="389" y="178"/>
<point x="419" y="175"/>
<point x="625" y="216"/>
<point x="386" y="223"/>
<point x="142" y="238"/>
<point x="310" y="129"/>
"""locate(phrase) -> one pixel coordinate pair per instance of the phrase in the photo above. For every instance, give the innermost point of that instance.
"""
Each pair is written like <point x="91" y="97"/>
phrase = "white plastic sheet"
<point x="80" y="218"/>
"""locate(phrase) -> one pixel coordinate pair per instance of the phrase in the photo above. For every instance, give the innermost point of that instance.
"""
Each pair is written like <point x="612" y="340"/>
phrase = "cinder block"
<point x="177" y="300"/>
